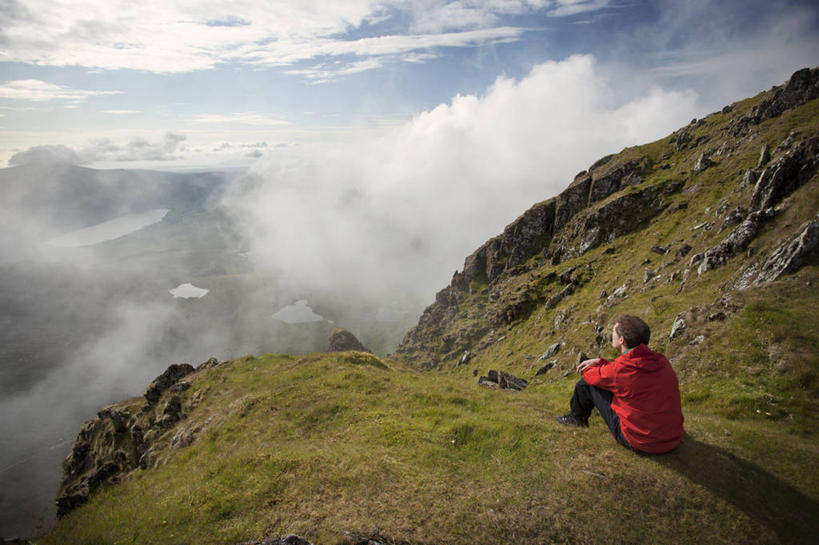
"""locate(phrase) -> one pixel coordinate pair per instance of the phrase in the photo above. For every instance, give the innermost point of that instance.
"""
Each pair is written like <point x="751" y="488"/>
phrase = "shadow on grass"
<point x="767" y="500"/>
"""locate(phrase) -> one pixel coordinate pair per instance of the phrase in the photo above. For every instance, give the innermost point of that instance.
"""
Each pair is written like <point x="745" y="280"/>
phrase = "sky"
<point x="216" y="84"/>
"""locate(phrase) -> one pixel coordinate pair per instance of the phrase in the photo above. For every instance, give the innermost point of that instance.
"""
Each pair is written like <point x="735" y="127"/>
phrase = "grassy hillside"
<point x="337" y="447"/>
<point x="343" y="447"/>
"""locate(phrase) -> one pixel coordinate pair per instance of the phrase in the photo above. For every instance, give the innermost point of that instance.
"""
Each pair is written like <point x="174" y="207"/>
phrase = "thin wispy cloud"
<point x="328" y="73"/>
<point x="726" y="51"/>
<point x="242" y="118"/>
<point x="564" y="8"/>
<point x="433" y="16"/>
<point x="293" y="52"/>
<point x="121" y="112"/>
<point x="41" y="91"/>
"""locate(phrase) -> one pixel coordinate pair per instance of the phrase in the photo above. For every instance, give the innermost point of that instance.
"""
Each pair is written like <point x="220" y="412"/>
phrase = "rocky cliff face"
<point x="124" y="436"/>
<point x="516" y="272"/>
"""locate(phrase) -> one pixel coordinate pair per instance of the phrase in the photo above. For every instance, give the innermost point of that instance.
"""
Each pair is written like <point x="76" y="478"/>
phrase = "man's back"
<point x="646" y="397"/>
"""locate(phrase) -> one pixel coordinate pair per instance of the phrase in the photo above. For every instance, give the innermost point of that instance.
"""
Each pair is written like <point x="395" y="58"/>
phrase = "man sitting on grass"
<point x="637" y="394"/>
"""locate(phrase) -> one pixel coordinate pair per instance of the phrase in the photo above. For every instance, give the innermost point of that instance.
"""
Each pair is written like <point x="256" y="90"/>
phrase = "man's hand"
<point x="585" y="364"/>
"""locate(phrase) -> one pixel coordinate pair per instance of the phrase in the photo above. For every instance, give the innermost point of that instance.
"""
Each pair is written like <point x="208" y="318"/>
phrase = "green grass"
<point x="328" y="448"/>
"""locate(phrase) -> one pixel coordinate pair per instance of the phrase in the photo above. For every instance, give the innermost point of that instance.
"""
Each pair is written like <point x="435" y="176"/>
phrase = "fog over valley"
<point x="110" y="276"/>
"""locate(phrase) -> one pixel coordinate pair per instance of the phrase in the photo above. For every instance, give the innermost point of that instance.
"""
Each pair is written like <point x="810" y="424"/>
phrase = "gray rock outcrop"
<point x="93" y="460"/>
<point x="764" y="156"/>
<point x="786" y="258"/>
<point x="736" y="242"/>
<point x="287" y="540"/>
<point x="605" y="222"/>
<point x="119" y="438"/>
<point x="703" y="162"/>
<point x="677" y="328"/>
<point x="545" y="368"/>
<point x="342" y="340"/>
<point x="167" y="379"/>
<point x="551" y="351"/>
<point x="802" y="86"/>
<point x="502" y="380"/>
<point x="786" y="174"/>
<point x="554" y="300"/>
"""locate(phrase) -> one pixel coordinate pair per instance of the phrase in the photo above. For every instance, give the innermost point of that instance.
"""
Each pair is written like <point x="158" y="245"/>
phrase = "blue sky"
<point x="217" y="83"/>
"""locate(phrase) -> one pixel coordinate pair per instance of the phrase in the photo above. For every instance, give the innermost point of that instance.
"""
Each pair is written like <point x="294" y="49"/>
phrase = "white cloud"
<point x="288" y="53"/>
<point x="18" y="109"/>
<point x="121" y="112"/>
<point x="326" y="73"/>
<point x="573" y="7"/>
<point x="396" y="214"/>
<point x="140" y="149"/>
<point x="168" y="37"/>
<point x="377" y="51"/>
<point x="418" y="58"/>
<point x="435" y="16"/>
<point x="242" y="118"/>
<point x="136" y="149"/>
<point x="57" y="154"/>
<point x="40" y="91"/>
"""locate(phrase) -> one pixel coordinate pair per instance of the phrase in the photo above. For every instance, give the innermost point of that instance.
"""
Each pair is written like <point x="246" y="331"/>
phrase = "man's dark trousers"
<point x="586" y="398"/>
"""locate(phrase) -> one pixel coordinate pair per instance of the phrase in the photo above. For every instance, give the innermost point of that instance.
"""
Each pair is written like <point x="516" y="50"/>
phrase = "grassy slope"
<point x="338" y="446"/>
<point x="332" y="446"/>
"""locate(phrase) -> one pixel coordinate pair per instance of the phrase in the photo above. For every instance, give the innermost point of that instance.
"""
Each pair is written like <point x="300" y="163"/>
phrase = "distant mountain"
<point x="58" y="198"/>
<point x="710" y="234"/>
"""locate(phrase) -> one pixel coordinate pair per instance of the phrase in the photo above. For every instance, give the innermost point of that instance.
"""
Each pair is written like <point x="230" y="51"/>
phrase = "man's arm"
<point x="585" y="364"/>
<point x="598" y="372"/>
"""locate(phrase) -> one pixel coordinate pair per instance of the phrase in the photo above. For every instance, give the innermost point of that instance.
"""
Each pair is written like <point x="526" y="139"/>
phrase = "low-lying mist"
<point x="393" y="216"/>
<point x="366" y="231"/>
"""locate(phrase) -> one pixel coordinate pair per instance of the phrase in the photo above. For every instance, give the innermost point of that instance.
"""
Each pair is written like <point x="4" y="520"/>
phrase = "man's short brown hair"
<point x="632" y="329"/>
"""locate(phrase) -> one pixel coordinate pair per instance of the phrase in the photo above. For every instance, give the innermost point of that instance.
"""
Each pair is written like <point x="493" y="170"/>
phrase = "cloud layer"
<point x="394" y="216"/>
<point x="170" y="37"/>
<point x="41" y="91"/>
<point x="137" y="149"/>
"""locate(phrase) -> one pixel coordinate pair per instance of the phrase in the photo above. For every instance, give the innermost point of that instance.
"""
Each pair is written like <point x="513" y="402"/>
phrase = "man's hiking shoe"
<point x="572" y="420"/>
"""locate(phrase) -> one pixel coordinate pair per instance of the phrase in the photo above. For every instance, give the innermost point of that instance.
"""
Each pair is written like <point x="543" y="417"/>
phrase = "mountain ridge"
<point x="593" y="200"/>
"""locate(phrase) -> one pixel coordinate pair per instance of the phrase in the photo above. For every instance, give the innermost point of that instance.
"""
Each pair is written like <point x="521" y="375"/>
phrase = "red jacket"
<point x="646" y="398"/>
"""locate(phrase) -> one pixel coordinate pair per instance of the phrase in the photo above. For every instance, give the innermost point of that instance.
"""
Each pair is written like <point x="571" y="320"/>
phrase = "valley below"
<point x="91" y="313"/>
